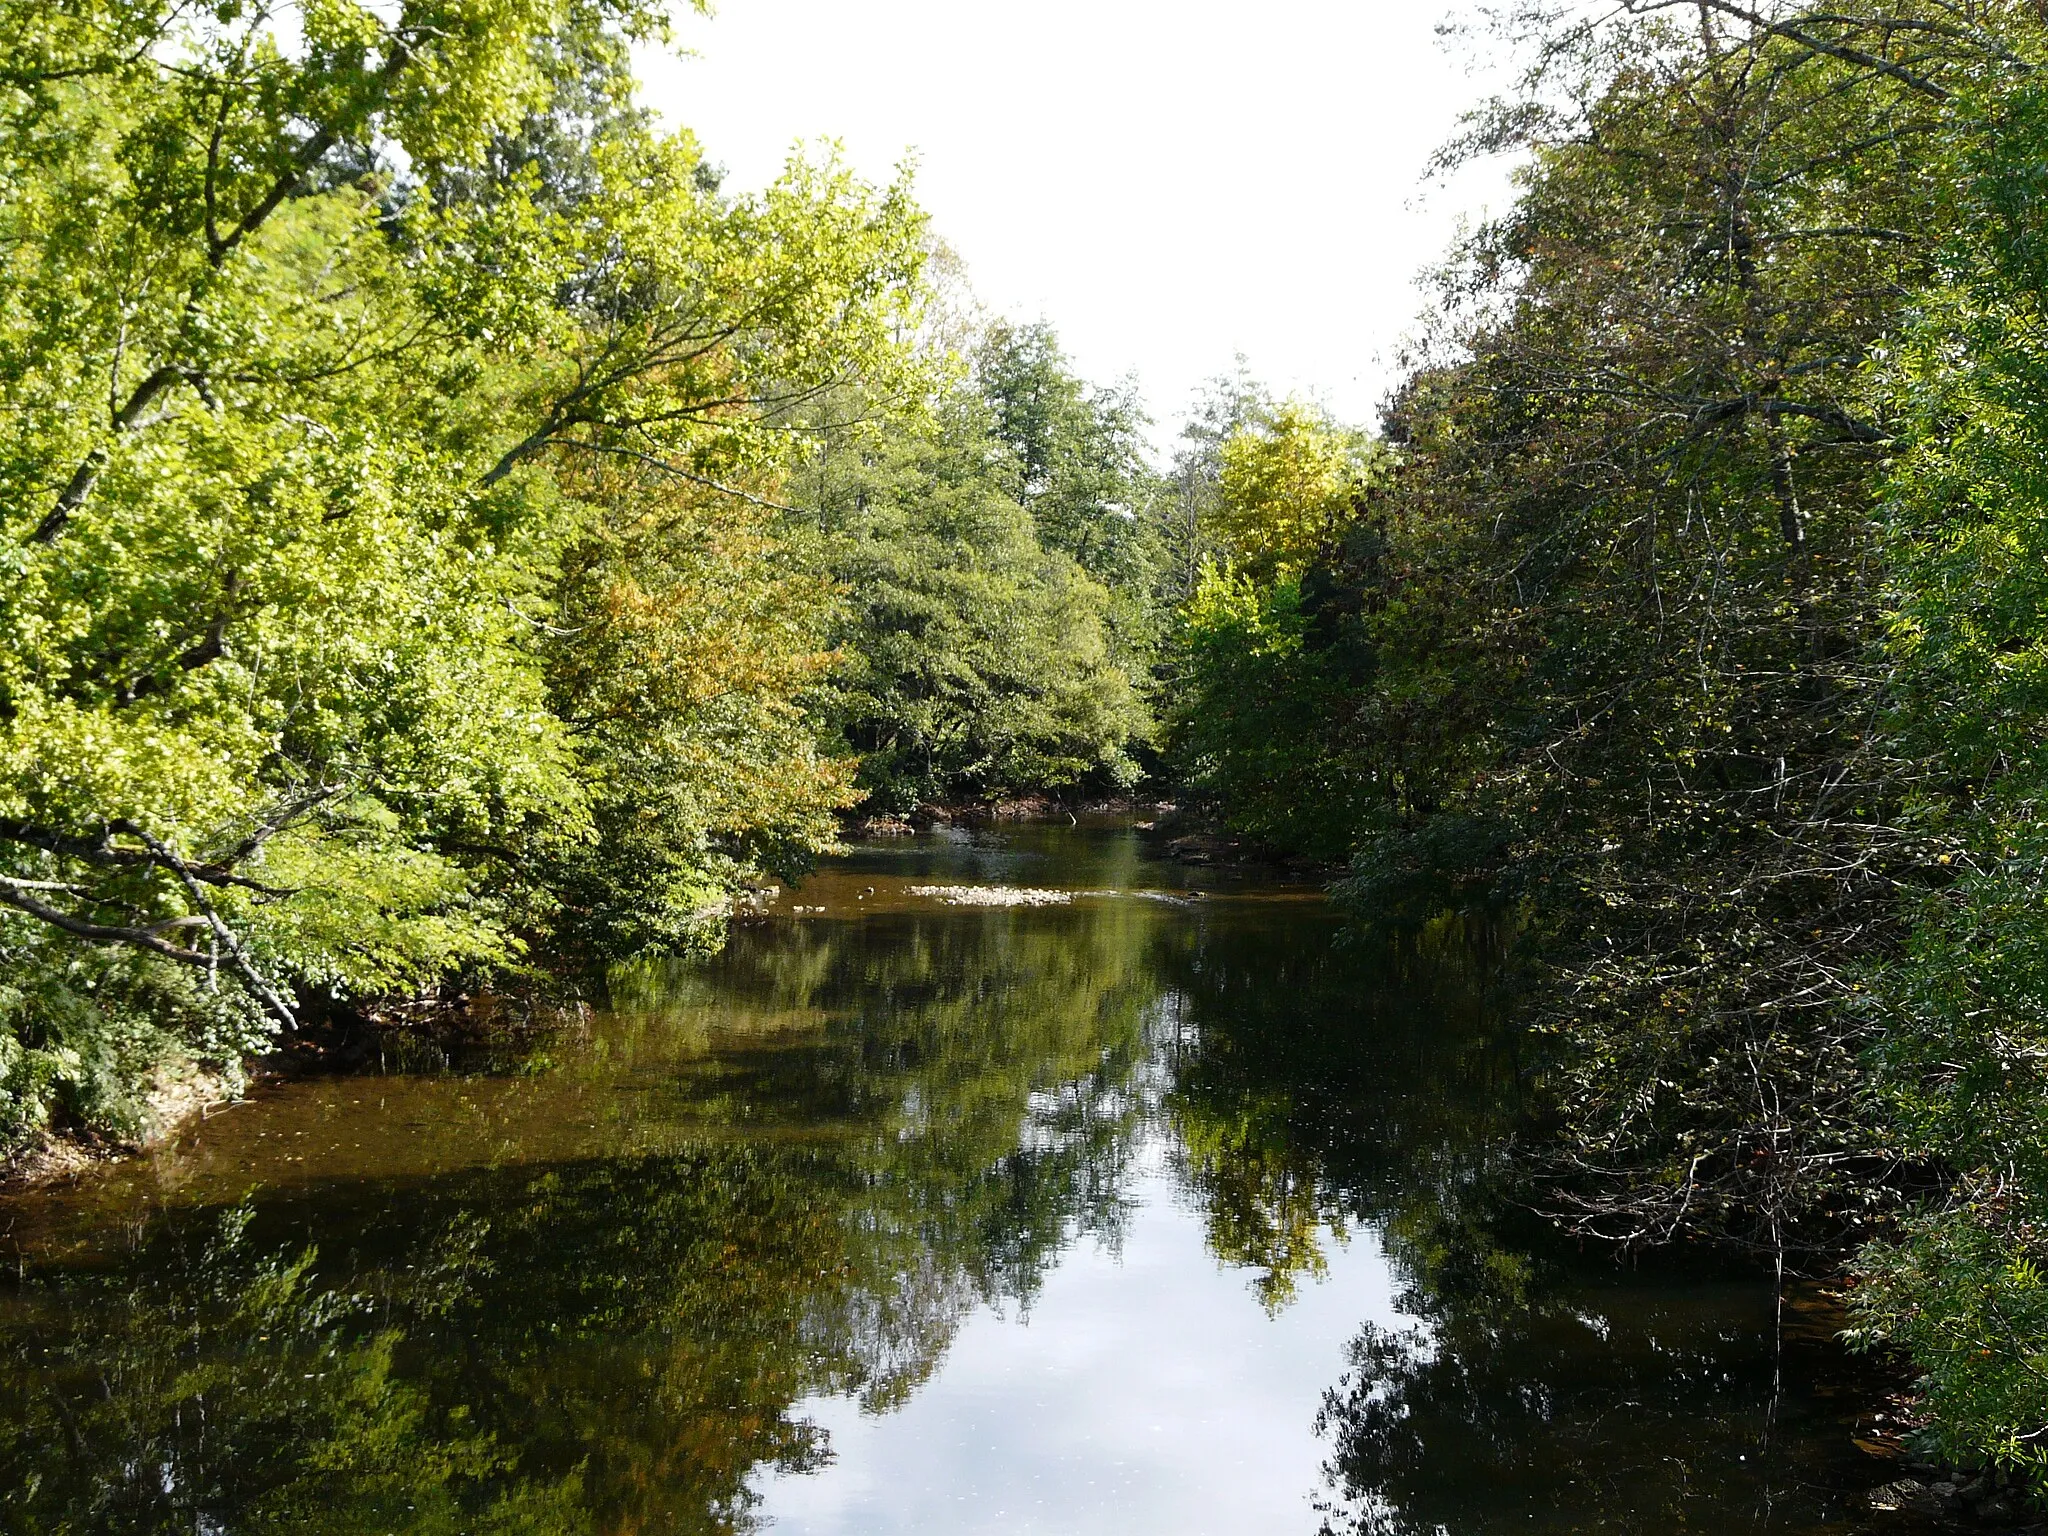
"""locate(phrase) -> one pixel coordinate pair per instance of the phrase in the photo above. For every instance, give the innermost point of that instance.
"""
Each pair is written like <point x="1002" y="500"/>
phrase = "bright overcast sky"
<point x="1169" y="182"/>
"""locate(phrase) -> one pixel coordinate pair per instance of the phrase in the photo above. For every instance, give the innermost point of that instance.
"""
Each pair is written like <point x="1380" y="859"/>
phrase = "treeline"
<point x="1692" y="621"/>
<point x="1000" y="560"/>
<point x="446" y="532"/>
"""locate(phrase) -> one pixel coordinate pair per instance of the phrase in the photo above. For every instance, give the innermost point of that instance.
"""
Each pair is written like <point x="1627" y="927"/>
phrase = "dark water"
<point x="1146" y="1211"/>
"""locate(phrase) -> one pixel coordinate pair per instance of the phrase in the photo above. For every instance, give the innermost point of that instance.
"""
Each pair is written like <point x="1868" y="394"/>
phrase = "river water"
<point x="1012" y="1182"/>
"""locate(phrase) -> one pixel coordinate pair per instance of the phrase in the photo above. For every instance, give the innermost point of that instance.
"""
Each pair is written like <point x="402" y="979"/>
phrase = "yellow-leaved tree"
<point x="1291" y="484"/>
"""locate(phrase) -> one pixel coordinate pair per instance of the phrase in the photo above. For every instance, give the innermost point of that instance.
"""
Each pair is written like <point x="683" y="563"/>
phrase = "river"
<point x="1017" y="1181"/>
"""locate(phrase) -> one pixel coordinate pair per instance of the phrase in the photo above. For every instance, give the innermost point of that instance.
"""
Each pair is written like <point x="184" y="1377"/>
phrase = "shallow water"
<point x="1146" y="1205"/>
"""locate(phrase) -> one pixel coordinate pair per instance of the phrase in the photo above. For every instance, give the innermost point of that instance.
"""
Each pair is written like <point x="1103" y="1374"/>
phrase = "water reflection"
<point x="904" y="1216"/>
<point x="1654" y="1405"/>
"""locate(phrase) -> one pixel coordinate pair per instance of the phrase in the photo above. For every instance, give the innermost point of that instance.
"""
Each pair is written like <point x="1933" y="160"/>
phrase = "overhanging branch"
<point x="17" y="894"/>
<point x="104" y="851"/>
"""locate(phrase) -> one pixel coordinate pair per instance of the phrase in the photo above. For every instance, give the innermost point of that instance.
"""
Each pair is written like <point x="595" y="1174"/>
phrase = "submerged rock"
<point x="1906" y="1496"/>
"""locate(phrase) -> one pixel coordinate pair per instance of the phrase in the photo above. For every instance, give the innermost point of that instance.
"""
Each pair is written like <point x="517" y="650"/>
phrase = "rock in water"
<point x="1908" y="1496"/>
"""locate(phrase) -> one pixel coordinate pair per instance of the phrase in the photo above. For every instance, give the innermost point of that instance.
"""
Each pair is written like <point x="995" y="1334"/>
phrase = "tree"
<point x="686" y="651"/>
<point x="320" y="397"/>
<point x="1637" y="499"/>
<point x="1275" y="653"/>
<point x="1962" y="1012"/>
<point x="1079" y="456"/>
<point x="1185" y="505"/>
<point x="1731" y="656"/>
<point x="1254" y="705"/>
<point x="981" y="661"/>
<point x="1289" y="487"/>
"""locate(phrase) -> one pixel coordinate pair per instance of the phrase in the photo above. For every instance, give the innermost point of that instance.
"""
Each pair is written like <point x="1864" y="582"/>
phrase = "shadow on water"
<point x="598" y="1297"/>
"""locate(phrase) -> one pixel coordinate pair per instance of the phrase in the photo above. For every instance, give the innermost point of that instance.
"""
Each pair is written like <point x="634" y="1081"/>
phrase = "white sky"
<point x="1169" y="182"/>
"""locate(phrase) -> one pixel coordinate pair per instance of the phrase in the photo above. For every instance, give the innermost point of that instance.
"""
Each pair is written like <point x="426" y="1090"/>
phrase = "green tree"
<point x="310" y="368"/>
<point x="980" y="661"/>
<point x="686" y="648"/>
<point x="1253" y="703"/>
<point x="1184" y="509"/>
<point x="1079" y="457"/>
<point x="1620" y="600"/>
<point x="1289" y="486"/>
<point x="1274" y="719"/>
<point x="1963" y="1012"/>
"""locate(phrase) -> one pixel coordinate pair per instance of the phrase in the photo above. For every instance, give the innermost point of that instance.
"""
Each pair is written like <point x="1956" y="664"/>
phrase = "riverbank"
<point x="178" y="1095"/>
<point x="442" y="1029"/>
<point x="989" y="813"/>
<point x="1180" y="832"/>
<point x="446" y="1026"/>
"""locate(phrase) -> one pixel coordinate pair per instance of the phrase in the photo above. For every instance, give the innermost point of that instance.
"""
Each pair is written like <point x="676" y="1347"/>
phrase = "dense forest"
<point x="450" y="537"/>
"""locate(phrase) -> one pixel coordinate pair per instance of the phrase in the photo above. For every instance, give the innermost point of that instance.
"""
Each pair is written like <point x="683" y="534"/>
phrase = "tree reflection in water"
<point x="900" y="1120"/>
<point x="811" y="1160"/>
<point x="1537" y="1389"/>
<point x="1640" y="1408"/>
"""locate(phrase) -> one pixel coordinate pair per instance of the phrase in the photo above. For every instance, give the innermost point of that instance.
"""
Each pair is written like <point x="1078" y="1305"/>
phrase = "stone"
<point x="1907" y="1496"/>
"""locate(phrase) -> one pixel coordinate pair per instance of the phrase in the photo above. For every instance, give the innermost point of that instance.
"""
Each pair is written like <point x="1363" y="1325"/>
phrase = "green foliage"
<point x="367" y="607"/>
<point x="1612" y="615"/>
<point x="1702" y="627"/>
<point x="1965" y="1008"/>
<point x="1252" y="710"/>
<point x="983" y="658"/>
<point x="1289" y="486"/>
<point x="1269" y="658"/>
<point x="1078" y="456"/>
<point x="1187" y="502"/>
<point x="1964" y="1300"/>
<point x="1320" y="698"/>
<point x="689" y="645"/>
<point x="84" y="1032"/>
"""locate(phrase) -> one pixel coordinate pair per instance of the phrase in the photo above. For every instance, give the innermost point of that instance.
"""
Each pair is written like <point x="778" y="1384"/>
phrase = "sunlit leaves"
<point x="337" y="420"/>
<point x="1965" y="1008"/>
<point x="1289" y="486"/>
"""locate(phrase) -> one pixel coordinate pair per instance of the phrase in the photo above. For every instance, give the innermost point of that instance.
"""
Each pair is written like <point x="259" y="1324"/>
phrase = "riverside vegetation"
<point x="450" y="535"/>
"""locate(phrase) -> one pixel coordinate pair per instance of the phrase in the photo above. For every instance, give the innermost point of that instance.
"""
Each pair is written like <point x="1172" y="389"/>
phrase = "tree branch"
<point x="258" y="984"/>
<point x="88" y="473"/>
<point x="1793" y="33"/>
<point x="683" y="474"/>
<point x="15" y="895"/>
<point x="218" y="248"/>
<point x="107" y="853"/>
<point x="204" y="652"/>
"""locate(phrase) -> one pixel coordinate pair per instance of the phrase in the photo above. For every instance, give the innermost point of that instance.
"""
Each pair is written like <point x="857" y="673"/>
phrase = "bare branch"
<point x="669" y="468"/>
<point x="142" y="938"/>
<point x="231" y="942"/>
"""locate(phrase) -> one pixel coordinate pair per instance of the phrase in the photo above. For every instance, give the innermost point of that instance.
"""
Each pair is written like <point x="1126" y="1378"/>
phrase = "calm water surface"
<point x="1155" y="1209"/>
